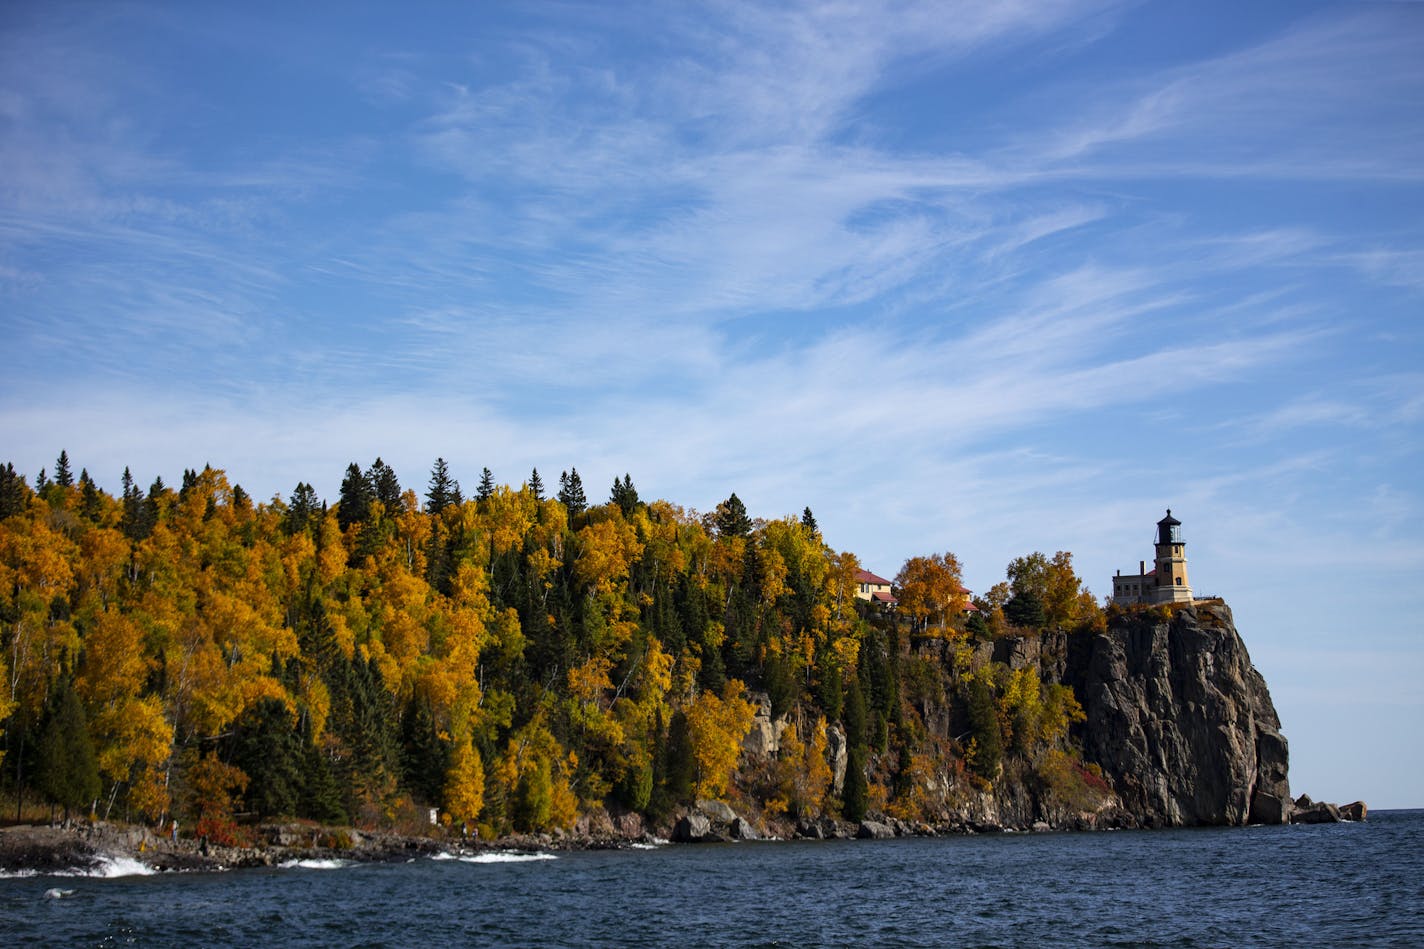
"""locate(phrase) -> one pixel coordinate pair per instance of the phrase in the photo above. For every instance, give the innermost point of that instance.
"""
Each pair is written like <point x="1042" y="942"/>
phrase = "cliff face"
<point x="1180" y="720"/>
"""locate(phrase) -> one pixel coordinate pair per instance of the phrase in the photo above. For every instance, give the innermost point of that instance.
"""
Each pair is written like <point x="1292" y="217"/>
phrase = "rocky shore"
<point x="100" y="848"/>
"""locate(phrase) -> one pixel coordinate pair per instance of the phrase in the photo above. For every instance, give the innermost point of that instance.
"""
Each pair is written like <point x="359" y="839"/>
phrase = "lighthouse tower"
<point x="1167" y="581"/>
<point x="1170" y="581"/>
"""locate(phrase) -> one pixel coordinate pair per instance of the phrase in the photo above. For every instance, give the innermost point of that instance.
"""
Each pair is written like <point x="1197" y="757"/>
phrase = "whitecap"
<point x="313" y="864"/>
<point x="504" y="856"/>
<point x="55" y="893"/>
<point x="18" y="874"/>
<point x="109" y="867"/>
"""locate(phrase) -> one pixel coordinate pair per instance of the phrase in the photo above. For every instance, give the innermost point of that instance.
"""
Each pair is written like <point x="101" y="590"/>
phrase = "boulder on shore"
<point x="692" y="829"/>
<point x="874" y="830"/>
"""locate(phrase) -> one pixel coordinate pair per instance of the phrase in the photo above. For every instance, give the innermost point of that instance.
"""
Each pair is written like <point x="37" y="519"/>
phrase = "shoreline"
<point x="98" y="849"/>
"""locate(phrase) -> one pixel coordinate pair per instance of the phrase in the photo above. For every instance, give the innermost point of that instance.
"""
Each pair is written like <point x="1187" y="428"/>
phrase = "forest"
<point x="512" y="659"/>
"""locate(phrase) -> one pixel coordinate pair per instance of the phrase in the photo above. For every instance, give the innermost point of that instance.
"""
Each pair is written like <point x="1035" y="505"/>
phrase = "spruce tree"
<point x="571" y="493"/>
<point x="731" y="518"/>
<point x="486" y="488"/>
<point x="91" y="500"/>
<point x="536" y="485"/>
<point x="68" y="768"/>
<point x="14" y="493"/>
<point x="303" y="509"/>
<point x="354" y="504"/>
<point x="624" y="495"/>
<point x="986" y="737"/>
<point x="808" y="521"/>
<point x="265" y="744"/>
<point x="62" y="475"/>
<point x="386" y="487"/>
<point x="442" y="490"/>
<point x="855" y="793"/>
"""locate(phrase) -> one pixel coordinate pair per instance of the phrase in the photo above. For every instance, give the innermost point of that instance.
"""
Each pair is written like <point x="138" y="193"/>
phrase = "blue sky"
<point x="986" y="278"/>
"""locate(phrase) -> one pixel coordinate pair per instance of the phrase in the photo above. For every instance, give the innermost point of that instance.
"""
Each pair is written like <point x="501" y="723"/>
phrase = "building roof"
<point x="865" y="576"/>
<point x="879" y="597"/>
<point x="1169" y="519"/>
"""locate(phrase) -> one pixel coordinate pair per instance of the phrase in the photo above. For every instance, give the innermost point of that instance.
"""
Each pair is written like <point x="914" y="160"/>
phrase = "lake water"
<point x="1327" y="885"/>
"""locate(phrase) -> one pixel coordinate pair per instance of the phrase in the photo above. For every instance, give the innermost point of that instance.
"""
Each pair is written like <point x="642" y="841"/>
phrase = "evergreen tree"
<point x="303" y="509"/>
<point x="442" y="490"/>
<point x="486" y="488"/>
<point x="808" y="521"/>
<point x="854" y="713"/>
<point x="68" y="768"/>
<point x="424" y="756"/>
<point x="571" y="492"/>
<point x="322" y="798"/>
<point x="190" y="481"/>
<point x="855" y="794"/>
<point x="91" y="502"/>
<point x="354" y="505"/>
<point x="266" y="745"/>
<point x="731" y="518"/>
<point x="387" y="489"/>
<point x="987" y="740"/>
<point x="624" y="495"/>
<point x="154" y="505"/>
<point x="14" y="493"/>
<point x="1025" y="609"/>
<point x="62" y="475"/>
<point x="41" y="482"/>
<point x="536" y="485"/>
<point x="134" y="522"/>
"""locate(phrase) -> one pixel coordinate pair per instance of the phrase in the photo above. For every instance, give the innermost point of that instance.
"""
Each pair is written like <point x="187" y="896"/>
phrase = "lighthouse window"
<point x="1179" y="581"/>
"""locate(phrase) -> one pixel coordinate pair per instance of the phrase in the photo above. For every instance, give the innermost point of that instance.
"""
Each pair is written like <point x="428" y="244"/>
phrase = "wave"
<point x="109" y="867"/>
<point x="314" y="864"/>
<point x="495" y="856"/>
<point x="654" y="844"/>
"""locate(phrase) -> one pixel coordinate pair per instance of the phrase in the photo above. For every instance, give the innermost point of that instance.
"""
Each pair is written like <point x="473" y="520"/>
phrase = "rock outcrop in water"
<point x="1179" y="719"/>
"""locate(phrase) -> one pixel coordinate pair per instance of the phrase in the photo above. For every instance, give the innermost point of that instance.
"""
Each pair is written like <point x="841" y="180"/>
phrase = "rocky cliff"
<point x="1179" y="719"/>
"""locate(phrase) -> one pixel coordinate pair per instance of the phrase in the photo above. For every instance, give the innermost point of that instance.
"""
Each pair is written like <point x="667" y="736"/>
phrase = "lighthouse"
<point x="1170" y="581"/>
<point x="1167" y="581"/>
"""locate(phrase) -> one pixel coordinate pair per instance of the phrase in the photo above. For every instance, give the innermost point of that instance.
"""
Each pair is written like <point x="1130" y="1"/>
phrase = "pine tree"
<point x="486" y="488"/>
<point x="987" y="741"/>
<point x="808" y="521"/>
<point x="68" y="768"/>
<point x="442" y="490"/>
<point x="536" y="485"/>
<point x="265" y="744"/>
<point x="354" y="505"/>
<point x="62" y="475"/>
<point x="386" y="487"/>
<point x="14" y="493"/>
<point x="303" y="509"/>
<point x="731" y="518"/>
<point x="91" y="499"/>
<point x="571" y="493"/>
<point x="424" y="756"/>
<point x="855" y="793"/>
<point x="624" y="495"/>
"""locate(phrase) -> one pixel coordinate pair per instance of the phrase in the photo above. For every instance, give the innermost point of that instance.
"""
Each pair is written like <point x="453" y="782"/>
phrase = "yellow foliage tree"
<point x="716" y="727"/>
